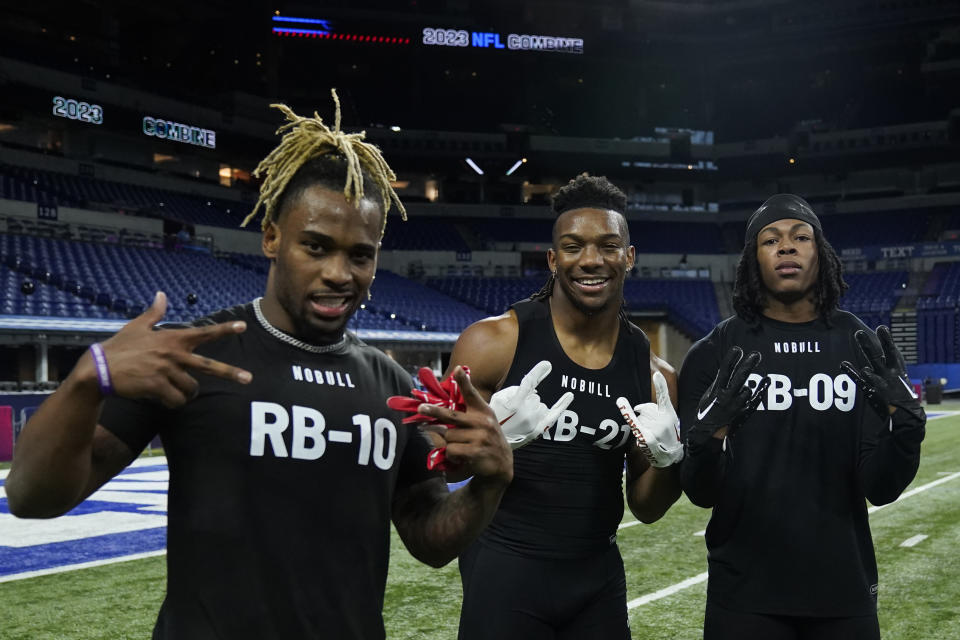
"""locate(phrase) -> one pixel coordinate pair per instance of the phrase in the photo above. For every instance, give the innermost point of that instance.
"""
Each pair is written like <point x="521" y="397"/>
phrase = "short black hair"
<point x="329" y="170"/>
<point x="590" y="192"/>
<point x="584" y="191"/>
<point x="749" y="294"/>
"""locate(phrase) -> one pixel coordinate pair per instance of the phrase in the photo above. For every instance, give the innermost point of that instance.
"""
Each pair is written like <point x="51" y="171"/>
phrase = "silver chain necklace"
<point x="285" y="337"/>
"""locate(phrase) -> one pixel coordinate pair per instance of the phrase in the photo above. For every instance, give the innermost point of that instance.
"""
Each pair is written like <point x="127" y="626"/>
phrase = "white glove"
<point x="520" y="413"/>
<point x="655" y="425"/>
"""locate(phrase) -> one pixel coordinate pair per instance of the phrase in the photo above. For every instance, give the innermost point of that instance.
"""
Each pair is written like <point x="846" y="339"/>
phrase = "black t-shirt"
<point x="566" y="498"/>
<point x="789" y="532"/>
<point x="280" y="490"/>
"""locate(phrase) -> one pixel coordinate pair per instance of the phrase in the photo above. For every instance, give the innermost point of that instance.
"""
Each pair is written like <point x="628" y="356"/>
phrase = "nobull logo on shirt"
<point x="585" y="386"/>
<point x="321" y="376"/>
<point x="796" y="347"/>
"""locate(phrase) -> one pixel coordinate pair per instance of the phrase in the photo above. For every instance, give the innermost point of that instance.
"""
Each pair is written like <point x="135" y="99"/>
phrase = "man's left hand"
<point x="883" y="379"/>
<point x="655" y="425"/>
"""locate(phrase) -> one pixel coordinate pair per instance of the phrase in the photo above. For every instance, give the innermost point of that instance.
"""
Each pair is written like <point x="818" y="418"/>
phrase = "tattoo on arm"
<point x="436" y="525"/>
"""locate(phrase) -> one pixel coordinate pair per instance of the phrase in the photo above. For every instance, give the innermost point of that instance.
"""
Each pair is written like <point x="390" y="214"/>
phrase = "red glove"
<point x="443" y="394"/>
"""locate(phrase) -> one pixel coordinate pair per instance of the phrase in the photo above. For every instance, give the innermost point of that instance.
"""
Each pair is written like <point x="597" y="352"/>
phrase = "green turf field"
<point x="919" y="587"/>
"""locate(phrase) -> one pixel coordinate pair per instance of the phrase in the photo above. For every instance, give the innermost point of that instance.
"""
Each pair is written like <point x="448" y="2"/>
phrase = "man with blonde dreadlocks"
<point x="284" y="475"/>
<point x="548" y="567"/>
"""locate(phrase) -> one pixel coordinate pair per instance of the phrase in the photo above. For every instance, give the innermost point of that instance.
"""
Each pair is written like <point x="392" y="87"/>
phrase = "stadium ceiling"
<point x="606" y="68"/>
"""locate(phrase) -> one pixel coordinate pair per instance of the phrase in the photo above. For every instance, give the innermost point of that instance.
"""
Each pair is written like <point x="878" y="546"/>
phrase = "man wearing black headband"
<point x="786" y="442"/>
<point x="547" y="566"/>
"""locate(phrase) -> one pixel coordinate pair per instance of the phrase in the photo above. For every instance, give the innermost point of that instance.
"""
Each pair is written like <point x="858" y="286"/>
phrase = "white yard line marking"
<point x="702" y="532"/>
<point x="624" y="525"/>
<point x="914" y="541"/>
<point x="669" y="591"/>
<point x="914" y="492"/>
<point x="18" y="533"/>
<point x="689" y="582"/>
<point x="82" y="565"/>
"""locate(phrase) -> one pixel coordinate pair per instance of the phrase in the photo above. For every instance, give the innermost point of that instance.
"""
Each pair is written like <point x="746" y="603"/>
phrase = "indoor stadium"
<point x="142" y="150"/>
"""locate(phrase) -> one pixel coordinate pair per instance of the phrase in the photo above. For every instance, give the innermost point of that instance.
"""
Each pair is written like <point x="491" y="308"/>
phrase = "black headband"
<point x="778" y="207"/>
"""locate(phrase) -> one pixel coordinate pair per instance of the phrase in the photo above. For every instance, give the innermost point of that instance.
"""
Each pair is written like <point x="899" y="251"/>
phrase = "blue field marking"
<point x="127" y="516"/>
<point x="60" y="554"/>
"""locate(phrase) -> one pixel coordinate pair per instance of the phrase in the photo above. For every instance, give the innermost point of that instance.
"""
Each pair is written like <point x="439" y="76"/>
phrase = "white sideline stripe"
<point x="669" y="591"/>
<point x="914" y="541"/>
<point x="82" y="565"/>
<point x="689" y="582"/>
<point x="624" y="525"/>
<point x="702" y="532"/>
<point x="17" y="533"/>
<point x="914" y="492"/>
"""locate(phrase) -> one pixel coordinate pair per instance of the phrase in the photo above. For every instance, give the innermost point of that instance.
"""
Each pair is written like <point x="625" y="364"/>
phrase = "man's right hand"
<point x="476" y="445"/>
<point x="151" y="364"/>
<point x="728" y="402"/>
<point x="522" y="416"/>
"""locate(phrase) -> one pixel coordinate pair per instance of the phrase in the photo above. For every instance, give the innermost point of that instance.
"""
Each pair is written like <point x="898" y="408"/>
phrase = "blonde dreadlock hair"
<point x="308" y="139"/>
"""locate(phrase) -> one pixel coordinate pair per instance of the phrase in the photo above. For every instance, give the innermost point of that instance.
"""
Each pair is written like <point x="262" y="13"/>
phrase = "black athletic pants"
<point x="508" y="596"/>
<point x="724" y="624"/>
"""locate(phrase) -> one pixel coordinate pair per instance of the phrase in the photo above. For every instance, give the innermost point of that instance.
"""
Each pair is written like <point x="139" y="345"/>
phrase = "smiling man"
<point x="789" y="547"/>
<point x="548" y="567"/>
<point x="285" y="475"/>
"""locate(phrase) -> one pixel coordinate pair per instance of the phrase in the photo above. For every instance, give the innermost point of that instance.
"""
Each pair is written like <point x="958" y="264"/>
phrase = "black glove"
<point x="728" y="402"/>
<point x="883" y="379"/>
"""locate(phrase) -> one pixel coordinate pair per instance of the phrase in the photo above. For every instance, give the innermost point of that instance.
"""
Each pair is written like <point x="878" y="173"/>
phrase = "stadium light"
<point x="473" y="165"/>
<point x="394" y="128"/>
<point x="516" y="165"/>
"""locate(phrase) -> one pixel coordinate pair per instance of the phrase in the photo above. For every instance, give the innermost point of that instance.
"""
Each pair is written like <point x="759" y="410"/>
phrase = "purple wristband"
<point x="103" y="371"/>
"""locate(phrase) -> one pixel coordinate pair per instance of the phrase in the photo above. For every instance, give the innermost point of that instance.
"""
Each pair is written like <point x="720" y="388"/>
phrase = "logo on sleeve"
<point x="701" y="414"/>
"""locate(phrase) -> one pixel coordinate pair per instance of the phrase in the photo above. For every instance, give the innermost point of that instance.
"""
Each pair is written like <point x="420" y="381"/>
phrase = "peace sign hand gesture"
<point x="140" y="362"/>
<point x="883" y="379"/>
<point x="476" y="442"/>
